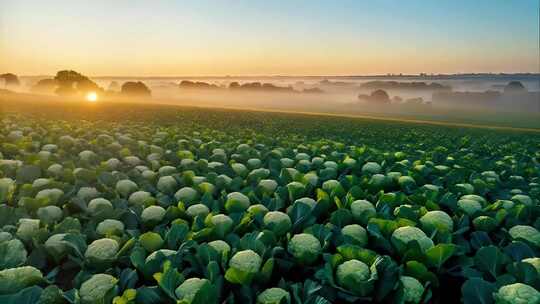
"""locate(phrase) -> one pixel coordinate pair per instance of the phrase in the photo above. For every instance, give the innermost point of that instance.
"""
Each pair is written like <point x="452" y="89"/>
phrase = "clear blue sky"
<point x="130" y="37"/>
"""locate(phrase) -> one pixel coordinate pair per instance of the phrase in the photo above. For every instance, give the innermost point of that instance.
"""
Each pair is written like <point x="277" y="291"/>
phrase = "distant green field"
<point x="124" y="203"/>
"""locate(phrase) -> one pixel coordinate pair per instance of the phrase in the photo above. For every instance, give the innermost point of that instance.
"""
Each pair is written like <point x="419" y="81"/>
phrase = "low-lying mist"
<point x="488" y="101"/>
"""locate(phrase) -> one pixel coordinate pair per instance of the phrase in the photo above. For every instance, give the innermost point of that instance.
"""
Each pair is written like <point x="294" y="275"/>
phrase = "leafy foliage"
<point x="184" y="192"/>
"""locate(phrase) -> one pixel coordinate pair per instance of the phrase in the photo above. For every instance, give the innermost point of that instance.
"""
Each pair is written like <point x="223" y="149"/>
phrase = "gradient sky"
<point x="256" y="37"/>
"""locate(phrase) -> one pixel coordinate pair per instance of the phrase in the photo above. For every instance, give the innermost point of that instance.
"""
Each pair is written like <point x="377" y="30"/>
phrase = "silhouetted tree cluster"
<point x="326" y="82"/>
<point x="249" y="86"/>
<point x="257" y="86"/>
<point x="394" y="85"/>
<point x="70" y="83"/>
<point x="46" y="86"/>
<point x="10" y="79"/>
<point x="513" y="97"/>
<point x="187" y="84"/>
<point x="135" y="89"/>
<point x="514" y="87"/>
<point x="377" y="96"/>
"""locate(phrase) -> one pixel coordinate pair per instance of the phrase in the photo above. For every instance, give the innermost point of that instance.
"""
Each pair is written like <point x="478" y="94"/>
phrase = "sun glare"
<point x="91" y="97"/>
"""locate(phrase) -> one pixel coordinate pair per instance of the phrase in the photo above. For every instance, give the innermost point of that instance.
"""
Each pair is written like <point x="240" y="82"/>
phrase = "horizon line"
<point x="309" y="76"/>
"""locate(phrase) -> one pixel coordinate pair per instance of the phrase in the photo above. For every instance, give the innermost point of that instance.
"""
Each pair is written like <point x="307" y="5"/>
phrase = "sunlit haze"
<point x="151" y="38"/>
<point x="92" y="97"/>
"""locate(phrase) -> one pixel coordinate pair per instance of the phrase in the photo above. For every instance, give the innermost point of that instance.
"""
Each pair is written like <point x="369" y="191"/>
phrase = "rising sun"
<point x="91" y="97"/>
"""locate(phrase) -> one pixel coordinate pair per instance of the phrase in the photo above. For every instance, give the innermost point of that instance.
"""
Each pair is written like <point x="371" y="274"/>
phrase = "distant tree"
<point x="234" y="85"/>
<point x="251" y="85"/>
<point x="187" y="84"/>
<point x="379" y="96"/>
<point x="71" y="82"/>
<point x="44" y="86"/>
<point x="86" y="85"/>
<point x="514" y="87"/>
<point x="10" y="79"/>
<point x="136" y="89"/>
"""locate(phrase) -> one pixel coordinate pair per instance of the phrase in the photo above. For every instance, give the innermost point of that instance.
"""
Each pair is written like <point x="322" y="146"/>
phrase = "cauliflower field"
<point x="155" y="204"/>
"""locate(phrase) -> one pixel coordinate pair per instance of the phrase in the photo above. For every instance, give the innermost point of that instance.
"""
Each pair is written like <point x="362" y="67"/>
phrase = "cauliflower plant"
<point x="28" y="228"/>
<point x="476" y="198"/>
<point x="517" y="293"/>
<point x="278" y="222"/>
<point x="406" y="182"/>
<point x="125" y="187"/>
<point x="528" y="233"/>
<point x="355" y="234"/>
<point x="187" y="195"/>
<point x="469" y="206"/>
<point x="257" y="209"/>
<point x="100" y="288"/>
<point x="243" y="266"/>
<point x="13" y="280"/>
<point x="197" y="210"/>
<point x="220" y="246"/>
<point x="236" y="202"/>
<point x="353" y="276"/>
<point x="412" y="289"/>
<point x="305" y="248"/>
<point x="40" y="183"/>
<point x="55" y="169"/>
<point x="362" y="211"/>
<point x="101" y="252"/>
<point x="268" y="186"/>
<point x="112" y="164"/>
<point x="403" y="235"/>
<point x="523" y="199"/>
<point x="87" y="193"/>
<point x="152" y="215"/>
<point x="484" y="223"/>
<point x="110" y="227"/>
<point x="50" y="214"/>
<point x="333" y="185"/>
<point x="167" y="184"/>
<point x="166" y="170"/>
<point x="439" y="220"/>
<point x="164" y="253"/>
<point x="140" y="198"/>
<point x="240" y="169"/>
<point x="535" y="262"/>
<point x="88" y="156"/>
<point x="307" y="201"/>
<point x="100" y="206"/>
<point x="151" y="241"/>
<point x="274" y="295"/>
<point x="222" y="223"/>
<point x="188" y="290"/>
<point x="5" y="236"/>
<point x="56" y="246"/>
<point x="52" y="294"/>
<point x="51" y="196"/>
<point x="371" y="168"/>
